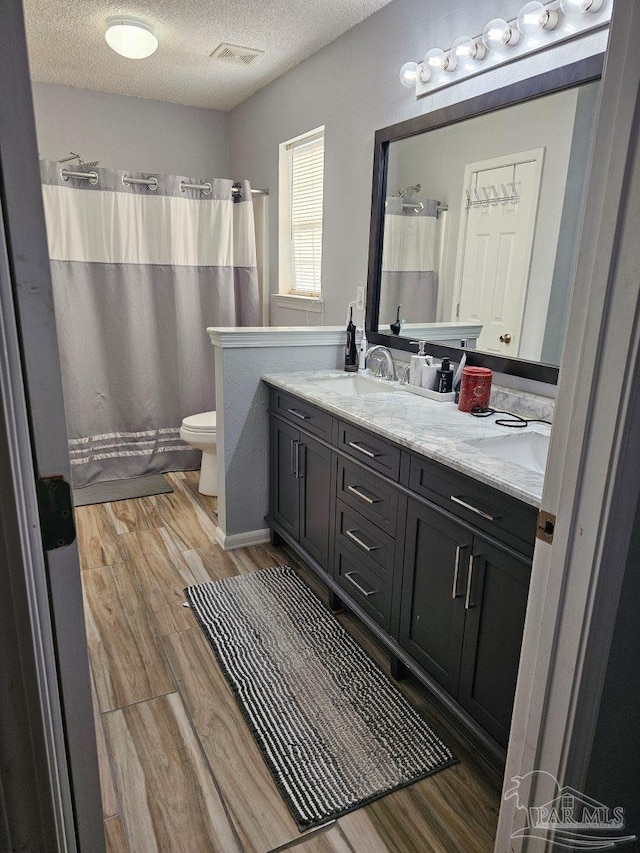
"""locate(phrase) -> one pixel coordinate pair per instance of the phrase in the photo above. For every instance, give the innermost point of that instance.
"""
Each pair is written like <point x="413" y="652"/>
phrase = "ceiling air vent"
<point x="236" y="54"/>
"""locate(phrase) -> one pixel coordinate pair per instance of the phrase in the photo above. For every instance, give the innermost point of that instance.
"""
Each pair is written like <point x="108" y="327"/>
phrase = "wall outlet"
<point x="360" y="298"/>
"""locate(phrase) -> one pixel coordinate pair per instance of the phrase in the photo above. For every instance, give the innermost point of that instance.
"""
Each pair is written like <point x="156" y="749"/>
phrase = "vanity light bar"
<point x="537" y="26"/>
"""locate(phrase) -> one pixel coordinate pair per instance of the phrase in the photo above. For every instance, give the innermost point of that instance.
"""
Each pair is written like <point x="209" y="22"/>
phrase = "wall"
<point x="352" y="87"/>
<point x="242" y="357"/>
<point x="131" y="133"/>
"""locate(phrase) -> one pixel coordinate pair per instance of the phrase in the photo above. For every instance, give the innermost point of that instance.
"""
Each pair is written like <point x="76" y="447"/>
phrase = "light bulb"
<point x="409" y="74"/>
<point x="130" y="37"/>
<point x="579" y="7"/>
<point x="437" y="60"/>
<point x="534" y="17"/>
<point x="498" y="35"/>
<point x="466" y="48"/>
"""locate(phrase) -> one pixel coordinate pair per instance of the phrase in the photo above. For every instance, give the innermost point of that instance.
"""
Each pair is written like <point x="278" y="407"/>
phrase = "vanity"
<point x="413" y="526"/>
<point x="420" y="519"/>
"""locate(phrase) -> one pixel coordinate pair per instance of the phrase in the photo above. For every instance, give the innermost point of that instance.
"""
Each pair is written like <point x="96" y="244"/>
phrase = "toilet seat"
<point x="203" y="422"/>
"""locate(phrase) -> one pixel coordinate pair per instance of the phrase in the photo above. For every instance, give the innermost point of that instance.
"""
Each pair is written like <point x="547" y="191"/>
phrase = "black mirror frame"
<point x="566" y="77"/>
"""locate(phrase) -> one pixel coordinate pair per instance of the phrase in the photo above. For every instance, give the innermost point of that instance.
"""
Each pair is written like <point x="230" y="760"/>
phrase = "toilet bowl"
<point x="200" y="432"/>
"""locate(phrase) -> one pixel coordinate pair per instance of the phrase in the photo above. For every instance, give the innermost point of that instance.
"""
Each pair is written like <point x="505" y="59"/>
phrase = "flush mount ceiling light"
<point x="534" y="17"/>
<point x="131" y="37"/>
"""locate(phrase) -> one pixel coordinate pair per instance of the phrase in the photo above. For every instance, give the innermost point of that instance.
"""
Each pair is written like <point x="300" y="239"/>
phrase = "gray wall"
<point x="351" y="86"/>
<point x="243" y="448"/>
<point x="131" y="133"/>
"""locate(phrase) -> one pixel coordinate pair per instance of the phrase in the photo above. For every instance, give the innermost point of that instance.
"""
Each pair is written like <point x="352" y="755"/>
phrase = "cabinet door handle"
<point x="349" y="577"/>
<point x="361" y="449"/>
<point x="298" y="414"/>
<point x="473" y="508"/>
<point x="294" y="459"/>
<point x="456" y="571"/>
<point x="468" y="604"/>
<point x="301" y="460"/>
<point x="354" y="490"/>
<point x="352" y="535"/>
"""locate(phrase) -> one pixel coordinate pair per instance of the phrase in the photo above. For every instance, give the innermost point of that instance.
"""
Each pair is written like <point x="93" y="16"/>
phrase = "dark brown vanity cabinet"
<point x="301" y="488"/>
<point x="436" y="563"/>
<point x="462" y="613"/>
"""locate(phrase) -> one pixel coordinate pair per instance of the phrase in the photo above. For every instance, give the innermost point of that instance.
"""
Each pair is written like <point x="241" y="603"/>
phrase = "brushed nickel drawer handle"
<point x="362" y="449"/>
<point x="467" y="601"/>
<point x="348" y="576"/>
<point x="352" y="535"/>
<point x="298" y="414"/>
<point x="355" y="491"/>
<point x="294" y="458"/>
<point x="473" y="508"/>
<point x="456" y="571"/>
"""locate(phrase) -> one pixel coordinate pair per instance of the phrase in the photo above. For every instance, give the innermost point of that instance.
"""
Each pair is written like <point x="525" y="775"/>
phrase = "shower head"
<point x="81" y="162"/>
<point x="414" y="189"/>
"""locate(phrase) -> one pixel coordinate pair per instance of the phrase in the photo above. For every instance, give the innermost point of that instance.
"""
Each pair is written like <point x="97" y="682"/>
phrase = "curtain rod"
<point x="151" y="182"/>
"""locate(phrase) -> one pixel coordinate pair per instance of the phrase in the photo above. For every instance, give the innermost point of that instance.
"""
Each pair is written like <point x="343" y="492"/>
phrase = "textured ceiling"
<point x="66" y="44"/>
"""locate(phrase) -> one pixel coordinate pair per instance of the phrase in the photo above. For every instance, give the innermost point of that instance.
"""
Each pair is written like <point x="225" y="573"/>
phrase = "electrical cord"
<point x="514" y="421"/>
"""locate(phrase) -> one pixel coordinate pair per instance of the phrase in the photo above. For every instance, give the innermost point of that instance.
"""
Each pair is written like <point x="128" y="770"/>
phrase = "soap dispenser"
<point x="444" y="377"/>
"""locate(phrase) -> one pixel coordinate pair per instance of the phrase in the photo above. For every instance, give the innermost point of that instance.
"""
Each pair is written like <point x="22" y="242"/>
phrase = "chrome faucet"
<point x="381" y="355"/>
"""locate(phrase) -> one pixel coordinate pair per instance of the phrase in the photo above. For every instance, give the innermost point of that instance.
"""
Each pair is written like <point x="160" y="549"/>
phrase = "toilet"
<point x="200" y="432"/>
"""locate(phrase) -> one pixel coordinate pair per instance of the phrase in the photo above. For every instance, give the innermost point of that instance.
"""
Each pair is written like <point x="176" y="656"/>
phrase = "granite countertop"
<point x="435" y="430"/>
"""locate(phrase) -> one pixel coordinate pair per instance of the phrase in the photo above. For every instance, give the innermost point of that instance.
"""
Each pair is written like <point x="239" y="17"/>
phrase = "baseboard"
<point x="229" y="542"/>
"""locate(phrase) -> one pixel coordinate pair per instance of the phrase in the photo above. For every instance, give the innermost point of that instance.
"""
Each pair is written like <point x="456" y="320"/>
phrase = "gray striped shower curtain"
<point x="138" y="275"/>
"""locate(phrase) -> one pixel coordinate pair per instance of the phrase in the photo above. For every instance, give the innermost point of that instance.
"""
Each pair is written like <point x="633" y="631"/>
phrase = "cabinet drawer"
<point x="371" y="450"/>
<point x="370" y="495"/>
<point x="373" y="547"/>
<point x="487" y="509"/>
<point x="363" y="586"/>
<point x="303" y="414"/>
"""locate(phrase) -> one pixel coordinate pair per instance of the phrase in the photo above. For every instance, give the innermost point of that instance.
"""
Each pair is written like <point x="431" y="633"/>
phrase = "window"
<point x="301" y="184"/>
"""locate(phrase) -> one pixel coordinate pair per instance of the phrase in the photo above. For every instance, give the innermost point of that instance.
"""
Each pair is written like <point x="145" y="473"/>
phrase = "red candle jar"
<point x="475" y="388"/>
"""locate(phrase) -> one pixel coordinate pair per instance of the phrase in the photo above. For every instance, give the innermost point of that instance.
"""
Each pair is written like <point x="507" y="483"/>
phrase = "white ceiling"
<point x="66" y="44"/>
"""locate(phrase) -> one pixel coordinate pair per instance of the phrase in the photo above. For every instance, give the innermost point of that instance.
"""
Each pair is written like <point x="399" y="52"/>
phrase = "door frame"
<point x="65" y="802"/>
<point x="591" y="483"/>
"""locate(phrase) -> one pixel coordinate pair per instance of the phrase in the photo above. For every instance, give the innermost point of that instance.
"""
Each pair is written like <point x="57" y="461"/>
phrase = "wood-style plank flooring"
<point x="179" y="768"/>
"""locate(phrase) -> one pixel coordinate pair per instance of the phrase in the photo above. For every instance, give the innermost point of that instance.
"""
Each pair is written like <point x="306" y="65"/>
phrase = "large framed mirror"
<point x="475" y="223"/>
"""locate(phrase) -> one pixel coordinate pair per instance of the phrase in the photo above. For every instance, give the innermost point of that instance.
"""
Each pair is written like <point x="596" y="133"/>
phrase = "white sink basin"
<point x="354" y="385"/>
<point x="528" y="449"/>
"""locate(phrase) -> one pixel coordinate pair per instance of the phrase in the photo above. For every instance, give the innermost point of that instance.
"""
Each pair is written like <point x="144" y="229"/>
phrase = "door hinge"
<point x="55" y="507"/>
<point x="546" y="526"/>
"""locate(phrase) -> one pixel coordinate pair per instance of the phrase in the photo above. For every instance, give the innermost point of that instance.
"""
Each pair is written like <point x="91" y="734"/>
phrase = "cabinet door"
<point x="432" y="615"/>
<point x="496" y="602"/>
<point x="314" y="471"/>
<point x="285" y="488"/>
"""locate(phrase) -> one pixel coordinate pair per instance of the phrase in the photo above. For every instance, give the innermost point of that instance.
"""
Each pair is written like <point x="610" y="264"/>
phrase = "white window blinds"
<point x="306" y="172"/>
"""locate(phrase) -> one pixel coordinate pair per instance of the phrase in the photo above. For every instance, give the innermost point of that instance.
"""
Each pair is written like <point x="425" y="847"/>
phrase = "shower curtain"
<point x="409" y="253"/>
<point x="138" y="275"/>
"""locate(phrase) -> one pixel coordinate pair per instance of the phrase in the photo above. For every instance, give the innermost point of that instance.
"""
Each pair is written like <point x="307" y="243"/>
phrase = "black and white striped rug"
<point x="334" y="731"/>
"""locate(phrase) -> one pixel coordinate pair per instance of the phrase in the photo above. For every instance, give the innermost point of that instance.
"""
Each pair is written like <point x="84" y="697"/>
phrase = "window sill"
<point x="298" y="303"/>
